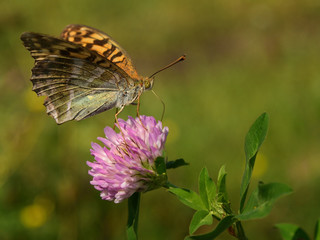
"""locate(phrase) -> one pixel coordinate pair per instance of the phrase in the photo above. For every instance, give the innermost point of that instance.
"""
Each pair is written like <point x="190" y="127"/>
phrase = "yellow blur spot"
<point x="260" y="166"/>
<point x="35" y="215"/>
<point x="33" y="103"/>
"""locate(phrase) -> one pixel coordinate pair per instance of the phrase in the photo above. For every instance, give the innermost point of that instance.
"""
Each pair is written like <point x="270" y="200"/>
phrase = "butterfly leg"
<point x="118" y="111"/>
<point x="115" y="118"/>
<point x="138" y="106"/>
<point x="117" y="122"/>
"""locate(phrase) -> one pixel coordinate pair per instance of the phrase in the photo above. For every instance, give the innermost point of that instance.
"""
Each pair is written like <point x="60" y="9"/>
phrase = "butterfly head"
<point x="148" y="83"/>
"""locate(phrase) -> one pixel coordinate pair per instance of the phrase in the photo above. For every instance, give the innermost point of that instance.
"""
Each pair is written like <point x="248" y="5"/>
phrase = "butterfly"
<point x="83" y="73"/>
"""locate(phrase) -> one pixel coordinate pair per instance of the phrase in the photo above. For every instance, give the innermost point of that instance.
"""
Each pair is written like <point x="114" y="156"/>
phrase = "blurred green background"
<point x="243" y="58"/>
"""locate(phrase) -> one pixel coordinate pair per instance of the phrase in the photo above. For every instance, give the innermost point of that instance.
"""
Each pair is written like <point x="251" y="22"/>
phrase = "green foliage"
<point x="160" y="165"/>
<point x="211" y="204"/>
<point x="176" y="163"/>
<point x="317" y="231"/>
<point x="133" y="216"/>
<point x="189" y="198"/>
<point x="206" y="202"/>
<point x="200" y="218"/>
<point x="292" y="232"/>
<point x="224" y="224"/>
<point x="221" y="186"/>
<point x="161" y="178"/>
<point x="253" y="141"/>
<point x="213" y="201"/>
<point x="262" y="199"/>
<point x="207" y="188"/>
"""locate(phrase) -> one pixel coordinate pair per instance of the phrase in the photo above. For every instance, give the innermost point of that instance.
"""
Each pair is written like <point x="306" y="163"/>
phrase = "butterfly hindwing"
<point x="102" y="44"/>
<point x="78" y="83"/>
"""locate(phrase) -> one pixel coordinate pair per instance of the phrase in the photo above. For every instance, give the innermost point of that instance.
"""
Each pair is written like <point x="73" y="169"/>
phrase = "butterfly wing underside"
<point x="78" y="83"/>
<point x="102" y="44"/>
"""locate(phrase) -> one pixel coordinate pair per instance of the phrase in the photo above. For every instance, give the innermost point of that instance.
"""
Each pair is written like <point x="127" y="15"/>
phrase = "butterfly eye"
<point x="148" y="83"/>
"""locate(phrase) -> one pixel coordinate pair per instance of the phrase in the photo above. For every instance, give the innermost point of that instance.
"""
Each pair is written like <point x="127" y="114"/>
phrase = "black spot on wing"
<point x="65" y="53"/>
<point x="109" y="51"/>
<point x="77" y="39"/>
<point x="74" y="50"/>
<point x="119" y="54"/>
<point x="88" y="45"/>
<point x="101" y="42"/>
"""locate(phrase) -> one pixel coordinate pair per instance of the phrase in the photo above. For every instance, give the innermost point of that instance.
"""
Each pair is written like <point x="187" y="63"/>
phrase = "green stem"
<point x="133" y="216"/>
<point x="240" y="231"/>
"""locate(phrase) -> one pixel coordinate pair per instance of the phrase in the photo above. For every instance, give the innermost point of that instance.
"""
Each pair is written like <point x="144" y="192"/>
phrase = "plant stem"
<point x="133" y="216"/>
<point x="240" y="231"/>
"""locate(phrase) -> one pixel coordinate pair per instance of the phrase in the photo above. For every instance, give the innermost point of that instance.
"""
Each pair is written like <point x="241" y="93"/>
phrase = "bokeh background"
<point x="243" y="58"/>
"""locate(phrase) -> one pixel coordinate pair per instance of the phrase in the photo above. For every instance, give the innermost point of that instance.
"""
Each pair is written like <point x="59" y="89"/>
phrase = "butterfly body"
<point x="83" y="73"/>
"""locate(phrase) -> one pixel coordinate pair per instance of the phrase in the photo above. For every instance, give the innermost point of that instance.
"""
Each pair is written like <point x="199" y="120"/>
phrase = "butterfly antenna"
<point x="183" y="57"/>
<point x="164" y="106"/>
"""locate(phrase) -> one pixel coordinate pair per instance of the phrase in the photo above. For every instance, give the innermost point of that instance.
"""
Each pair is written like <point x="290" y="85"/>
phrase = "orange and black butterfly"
<point x="83" y="73"/>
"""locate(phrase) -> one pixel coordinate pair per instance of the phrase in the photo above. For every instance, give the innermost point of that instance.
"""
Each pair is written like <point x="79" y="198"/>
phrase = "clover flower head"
<point x="126" y="162"/>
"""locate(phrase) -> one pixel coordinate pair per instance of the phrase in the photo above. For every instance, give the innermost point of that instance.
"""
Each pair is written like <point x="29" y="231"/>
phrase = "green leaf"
<point x="199" y="219"/>
<point x="224" y="224"/>
<point x="262" y="199"/>
<point x="253" y="141"/>
<point x="207" y="188"/>
<point x="160" y="165"/>
<point x="176" y="163"/>
<point x="221" y="185"/>
<point x="292" y="232"/>
<point x="188" y="197"/>
<point x="317" y="231"/>
<point x="133" y="216"/>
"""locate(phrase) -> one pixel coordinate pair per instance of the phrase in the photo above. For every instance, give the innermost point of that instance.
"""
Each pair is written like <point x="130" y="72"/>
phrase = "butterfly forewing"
<point x="102" y="44"/>
<point x="78" y="82"/>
